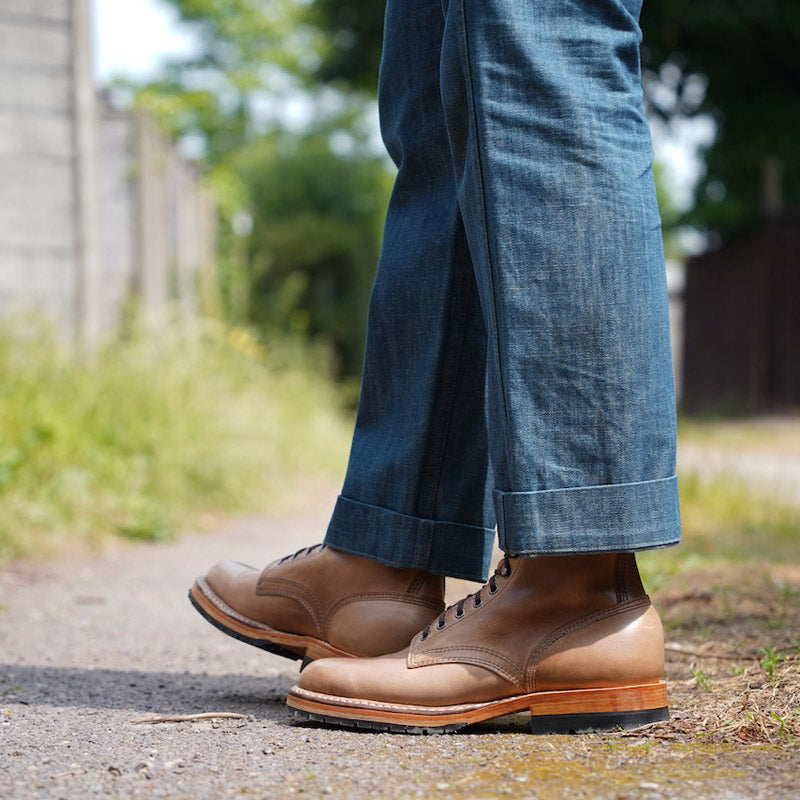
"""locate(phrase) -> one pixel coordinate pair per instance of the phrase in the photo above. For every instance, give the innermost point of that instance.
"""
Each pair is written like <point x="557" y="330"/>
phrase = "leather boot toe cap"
<point x="388" y="679"/>
<point x="235" y="584"/>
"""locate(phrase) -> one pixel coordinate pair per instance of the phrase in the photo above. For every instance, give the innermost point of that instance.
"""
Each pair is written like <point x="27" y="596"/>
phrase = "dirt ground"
<point x="95" y="648"/>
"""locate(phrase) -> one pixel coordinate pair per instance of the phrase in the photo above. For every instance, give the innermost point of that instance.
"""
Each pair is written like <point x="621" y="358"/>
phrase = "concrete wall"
<point x="117" y="203"/>
<point x="94" y="202"/>
<point x="159" y="224"/>
<point x="39" y="210"/>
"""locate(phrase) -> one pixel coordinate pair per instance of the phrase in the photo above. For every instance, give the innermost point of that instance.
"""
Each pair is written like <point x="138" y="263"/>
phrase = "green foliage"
<point x="300" y="212"/>
<point x="314" y="242"/>
<point x="721" y="520"/>
<point x="354" y="31"/>
<point x="250" y="52"/>
<point x="151" y="430"/>
<point x="701" y="679"/>
<point x="769" y="662"/>
<point x="669" y="214"/>
<point x="738" y="61"/>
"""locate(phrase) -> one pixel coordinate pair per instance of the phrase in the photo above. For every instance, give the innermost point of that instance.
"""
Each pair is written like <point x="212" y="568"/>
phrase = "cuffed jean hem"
<point x="618" y="517"/>
<point x="400" y="540"/>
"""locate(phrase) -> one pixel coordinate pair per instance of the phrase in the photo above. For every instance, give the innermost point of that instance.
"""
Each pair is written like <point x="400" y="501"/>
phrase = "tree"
<point x="300" y="209"/>
<point x="314" y="241"/>
<point x="737" y="60"/>
<point x="740" y="62"/>
<point x="354" y="31"/>
<point x="250" y="53"/>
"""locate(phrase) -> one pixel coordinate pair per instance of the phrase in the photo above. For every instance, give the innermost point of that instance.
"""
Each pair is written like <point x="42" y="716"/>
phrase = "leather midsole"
<point x="303" y="645"/>
<point x="571" y="701"/>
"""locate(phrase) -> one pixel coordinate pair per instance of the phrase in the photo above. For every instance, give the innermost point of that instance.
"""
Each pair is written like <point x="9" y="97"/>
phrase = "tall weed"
<point x="153" y="428"/>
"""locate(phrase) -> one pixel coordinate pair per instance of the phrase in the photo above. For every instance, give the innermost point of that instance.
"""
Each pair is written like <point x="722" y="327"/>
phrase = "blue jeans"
<point x="518" y="368"/>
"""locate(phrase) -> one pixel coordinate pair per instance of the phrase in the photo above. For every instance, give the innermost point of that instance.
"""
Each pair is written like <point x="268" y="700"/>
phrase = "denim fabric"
<point x="518" y="368"/>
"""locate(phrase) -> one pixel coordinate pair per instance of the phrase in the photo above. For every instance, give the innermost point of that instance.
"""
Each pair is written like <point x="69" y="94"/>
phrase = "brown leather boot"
<point x="319" y="602"/>
<point x="573" y="639"/>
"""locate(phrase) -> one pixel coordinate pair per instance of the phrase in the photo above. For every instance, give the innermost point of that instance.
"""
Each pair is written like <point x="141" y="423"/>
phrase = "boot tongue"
<point x="433" y="645"/>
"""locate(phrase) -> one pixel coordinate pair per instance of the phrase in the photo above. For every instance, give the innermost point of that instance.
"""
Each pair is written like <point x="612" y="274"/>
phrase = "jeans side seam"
<point x="481" y="195"/>
<point x="431" y="473"/>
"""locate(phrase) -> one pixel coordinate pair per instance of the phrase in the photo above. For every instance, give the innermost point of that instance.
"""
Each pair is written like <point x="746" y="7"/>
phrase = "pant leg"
<point x="417" y="491"/>
<point x="552" y="157"/>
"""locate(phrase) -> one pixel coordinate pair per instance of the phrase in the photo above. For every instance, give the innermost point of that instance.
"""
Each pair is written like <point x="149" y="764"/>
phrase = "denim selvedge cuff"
<point x="400" y="540"/>
<point x="618" y="517"/>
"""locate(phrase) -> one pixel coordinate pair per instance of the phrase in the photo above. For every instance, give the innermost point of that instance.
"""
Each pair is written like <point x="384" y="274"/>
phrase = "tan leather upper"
<point x="564" y="622"/>
<point x="353" y="603"/>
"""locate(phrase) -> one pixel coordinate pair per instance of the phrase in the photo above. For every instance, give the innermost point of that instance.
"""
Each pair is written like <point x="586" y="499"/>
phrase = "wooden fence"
<point x="742" y="327"/>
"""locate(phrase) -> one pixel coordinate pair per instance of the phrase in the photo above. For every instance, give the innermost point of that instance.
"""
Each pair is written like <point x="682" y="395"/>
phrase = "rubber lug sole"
<point x="262" y="644"/>
<point x="565" y="711"/>
<point x="383" y="727"/>
<point x="287" y="645"/>
<point x="554" y="724"/>
<point x="598" y="722"/>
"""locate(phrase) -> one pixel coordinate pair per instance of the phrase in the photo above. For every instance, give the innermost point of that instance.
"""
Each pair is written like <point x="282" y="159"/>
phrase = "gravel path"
<point x="91" y="644"/>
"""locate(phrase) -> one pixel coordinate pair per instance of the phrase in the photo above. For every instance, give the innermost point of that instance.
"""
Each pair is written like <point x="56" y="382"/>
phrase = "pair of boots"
<point x="573" y="639"/>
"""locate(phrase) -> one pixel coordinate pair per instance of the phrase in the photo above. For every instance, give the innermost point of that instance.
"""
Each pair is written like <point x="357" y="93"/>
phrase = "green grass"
<point x="724" y="521"/>
<point x="774" y="434"/>
<point x="152" y="430"/>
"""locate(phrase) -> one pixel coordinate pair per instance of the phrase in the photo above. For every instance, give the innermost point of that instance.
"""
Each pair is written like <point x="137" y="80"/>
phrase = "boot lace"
<point x="303" y="551"/>
<point x="503" y="570"/>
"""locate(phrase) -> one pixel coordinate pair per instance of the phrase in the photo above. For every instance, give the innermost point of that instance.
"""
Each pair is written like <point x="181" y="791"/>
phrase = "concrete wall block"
<point x="36" y="203"/>
<point x="50" y="10"/>
<point x="93" y="202"/>
<point x="153" y="234"/>
<point x="20" y="89"/>
<point x="33" y="44"/>
<point x="188" y="238"/>
<point x="48" y="279"/>
<point x="27" y="133"/>
<point x="117" y="209"/>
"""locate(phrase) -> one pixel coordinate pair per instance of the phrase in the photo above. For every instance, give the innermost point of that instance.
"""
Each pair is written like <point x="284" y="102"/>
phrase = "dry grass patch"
<point x="733" y="654"/>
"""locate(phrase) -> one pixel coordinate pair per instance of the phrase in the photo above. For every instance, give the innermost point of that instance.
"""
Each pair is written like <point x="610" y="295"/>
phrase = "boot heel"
<point x="586" y="710"/>
<point x="597" y="722"/>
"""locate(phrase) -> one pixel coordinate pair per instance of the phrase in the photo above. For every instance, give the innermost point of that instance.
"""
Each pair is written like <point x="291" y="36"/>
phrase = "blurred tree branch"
<point x="735" y="60"/>
<point x="300" y="190"/>
<point x="739" y="62"/>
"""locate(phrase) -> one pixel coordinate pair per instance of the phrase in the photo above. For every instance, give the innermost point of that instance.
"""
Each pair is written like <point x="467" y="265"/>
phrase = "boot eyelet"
<point x="424" y="635"/>
<point x="477" y="601"/>
<point x="493" y="589"/>
<point x="459" y="613"/>
<point x="440" y="624"/>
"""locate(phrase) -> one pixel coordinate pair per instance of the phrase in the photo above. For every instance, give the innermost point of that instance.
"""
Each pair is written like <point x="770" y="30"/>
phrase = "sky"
<point x="131" y="38"/>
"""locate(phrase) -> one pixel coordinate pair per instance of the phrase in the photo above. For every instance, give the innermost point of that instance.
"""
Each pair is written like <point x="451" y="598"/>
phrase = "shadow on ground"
<point x="146" y="692"/>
